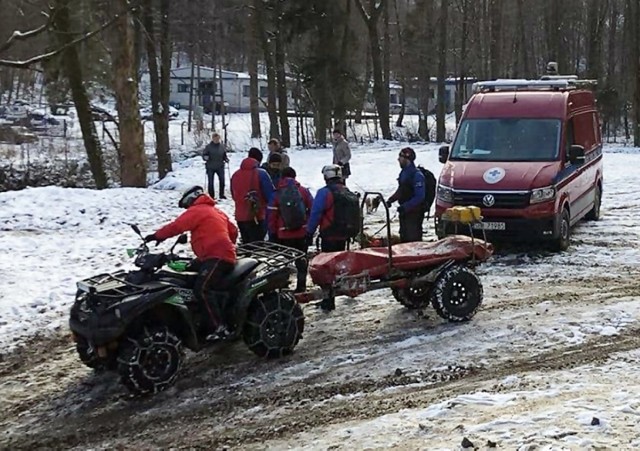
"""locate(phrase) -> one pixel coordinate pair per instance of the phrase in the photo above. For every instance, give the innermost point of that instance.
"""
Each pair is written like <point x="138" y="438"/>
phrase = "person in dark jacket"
<point x="322" y="211"/>
<point x="251" y="189"/>
<point x="291" y="238"/>
<point x="276" y="148"/>
<point x="213" y="238"/>
<point x="215" y="156"/>
<point x="273" y="166"/>
<point x="410" y="195"/>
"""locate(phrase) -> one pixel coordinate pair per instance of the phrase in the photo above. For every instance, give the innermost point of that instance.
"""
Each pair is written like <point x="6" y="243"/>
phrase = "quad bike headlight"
<point x="445" y="194"/>
<point x="542" y="194"/>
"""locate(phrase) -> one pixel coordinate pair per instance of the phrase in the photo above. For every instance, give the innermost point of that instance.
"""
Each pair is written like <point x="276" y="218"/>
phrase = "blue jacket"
<point x="411" y="188"/>
<point x="322" y="210"/>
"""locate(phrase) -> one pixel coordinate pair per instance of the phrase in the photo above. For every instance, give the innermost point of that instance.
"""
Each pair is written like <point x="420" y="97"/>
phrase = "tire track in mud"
<point x="293" y="404"/>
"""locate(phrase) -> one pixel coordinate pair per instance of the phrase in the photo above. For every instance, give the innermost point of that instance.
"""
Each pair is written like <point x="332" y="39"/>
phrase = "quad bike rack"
<point x="273" y="255"/>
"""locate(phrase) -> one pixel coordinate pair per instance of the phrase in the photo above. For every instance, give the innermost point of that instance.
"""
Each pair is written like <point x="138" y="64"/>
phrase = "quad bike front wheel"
<point x="149" y="361"/>
<point x="274" y="325"/>
<point x="457" y="294"/>
<point x="88" y="355"/>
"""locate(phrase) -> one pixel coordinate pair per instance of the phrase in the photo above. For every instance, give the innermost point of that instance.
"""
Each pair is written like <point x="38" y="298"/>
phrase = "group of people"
<point x="270" y="202"/>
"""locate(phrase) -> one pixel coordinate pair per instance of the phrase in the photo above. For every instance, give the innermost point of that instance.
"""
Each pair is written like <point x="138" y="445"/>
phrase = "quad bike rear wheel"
<point x="457" y="294"/>
<point x="149" y="361"/>
<point x="274" y="325"/>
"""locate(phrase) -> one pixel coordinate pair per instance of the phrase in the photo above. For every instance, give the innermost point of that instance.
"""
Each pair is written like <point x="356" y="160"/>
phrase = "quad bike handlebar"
<point x="378" y="195"/>
<point x="147" y="261"/>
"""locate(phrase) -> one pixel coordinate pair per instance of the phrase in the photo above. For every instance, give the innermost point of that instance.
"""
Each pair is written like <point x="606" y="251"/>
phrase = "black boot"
<point x="301" y="285"/>
<point x="328" y="305"/>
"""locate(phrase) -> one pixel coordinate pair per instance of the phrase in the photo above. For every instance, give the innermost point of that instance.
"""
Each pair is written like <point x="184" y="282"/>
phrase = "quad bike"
<point x="439" y="273"/>
<point x="137" y="322"/>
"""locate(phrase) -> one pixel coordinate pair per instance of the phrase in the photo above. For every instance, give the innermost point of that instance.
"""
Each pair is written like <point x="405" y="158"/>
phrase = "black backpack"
<point x="291" y="206"/>
<point x="430" y="184"/>
<point x="346" y="213"/>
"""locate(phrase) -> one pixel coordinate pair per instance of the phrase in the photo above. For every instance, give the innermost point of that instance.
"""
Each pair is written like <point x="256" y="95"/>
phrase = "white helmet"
<point x="190" y="196"/>
<point x="332" y="171"/>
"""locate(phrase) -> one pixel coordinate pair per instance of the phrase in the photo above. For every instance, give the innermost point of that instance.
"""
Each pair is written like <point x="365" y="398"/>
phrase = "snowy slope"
<point x="545" y="354"/>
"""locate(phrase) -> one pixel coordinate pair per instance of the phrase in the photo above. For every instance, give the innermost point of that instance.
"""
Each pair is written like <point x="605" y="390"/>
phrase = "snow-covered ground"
<point x="554" y="345"/>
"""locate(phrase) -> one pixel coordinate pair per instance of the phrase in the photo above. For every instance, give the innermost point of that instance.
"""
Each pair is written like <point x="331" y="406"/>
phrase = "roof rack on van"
<point x="547" y="82"/>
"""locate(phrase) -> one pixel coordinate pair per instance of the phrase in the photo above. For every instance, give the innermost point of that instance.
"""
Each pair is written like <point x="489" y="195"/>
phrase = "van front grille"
<point x="500" y="200"/>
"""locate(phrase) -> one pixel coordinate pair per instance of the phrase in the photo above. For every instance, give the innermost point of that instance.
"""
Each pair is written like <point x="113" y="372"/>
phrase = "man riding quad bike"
<point x="137" y="322"/>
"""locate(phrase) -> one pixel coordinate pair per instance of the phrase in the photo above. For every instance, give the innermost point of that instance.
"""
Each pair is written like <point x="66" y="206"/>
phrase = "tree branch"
<point x="24" y="35"/>
<point x="48" y="55"/>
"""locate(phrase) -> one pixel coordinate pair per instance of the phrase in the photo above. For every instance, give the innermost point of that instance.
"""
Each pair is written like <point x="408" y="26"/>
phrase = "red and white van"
<point x="529" y="153"/>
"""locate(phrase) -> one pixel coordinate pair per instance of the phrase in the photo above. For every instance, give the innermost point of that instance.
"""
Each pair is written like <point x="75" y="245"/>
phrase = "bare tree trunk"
<point x="133" y="170"/>
<point x="340" y="109"/>
<point x="635" y="64"/>
<point x="380" y="93"/>
<point x="401" y="69"/>
<point x="159" y="82"/>
<point x="442" y="68"/>
<point x="253" y="31"/>
<point x="267" y="49"/>
<point x="72" y="69"/>
<point x="461" y="85"/>
<point x="595" y="22"/>
<point x="495" y="13"/>
<point x="191" y="81"/>
<point x="281" y="79"/>
<point x="522" y="41"/>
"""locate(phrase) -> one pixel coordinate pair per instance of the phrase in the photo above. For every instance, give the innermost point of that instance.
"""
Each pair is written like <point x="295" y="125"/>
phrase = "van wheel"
<point x="562" y="242"/>
<point x="594" y="213"/>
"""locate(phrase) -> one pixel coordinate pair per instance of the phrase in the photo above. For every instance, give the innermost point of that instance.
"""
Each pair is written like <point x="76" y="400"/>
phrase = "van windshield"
<point x="508" y="139"/>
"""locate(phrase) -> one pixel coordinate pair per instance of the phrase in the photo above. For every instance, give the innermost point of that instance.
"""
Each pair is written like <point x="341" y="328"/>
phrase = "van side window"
<point x="569" y="139"/>
<point x="583" y="130"/>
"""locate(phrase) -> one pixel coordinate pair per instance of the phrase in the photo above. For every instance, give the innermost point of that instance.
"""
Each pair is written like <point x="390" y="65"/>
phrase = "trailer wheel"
<point x="457" y="294"/>
<point x="412" y="298"/>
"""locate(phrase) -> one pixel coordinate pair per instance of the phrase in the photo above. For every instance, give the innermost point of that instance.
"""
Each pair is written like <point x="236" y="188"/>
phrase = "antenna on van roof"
<point x="515" y="93"/>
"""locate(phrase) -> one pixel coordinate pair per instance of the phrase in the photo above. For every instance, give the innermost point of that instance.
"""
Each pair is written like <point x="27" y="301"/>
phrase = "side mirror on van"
<point x="443" y="154"/>
<point x="576" y="154"/>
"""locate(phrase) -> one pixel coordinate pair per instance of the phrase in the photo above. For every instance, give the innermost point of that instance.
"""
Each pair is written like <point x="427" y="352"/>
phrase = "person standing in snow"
<point x="251" y="189"/>
<point x="213" y="238"/>
<point x="410" y="195"/>
<point x="275" y="147"/>
<point x="341" y="153"/>
<point x="215" y="155"/>
<point x="288" y="214"/>
<point x="274" y="168"/>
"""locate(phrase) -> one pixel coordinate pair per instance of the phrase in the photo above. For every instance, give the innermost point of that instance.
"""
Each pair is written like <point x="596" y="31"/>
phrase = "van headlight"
<point x="542" y="194"/>
<point x="445" y="194"/>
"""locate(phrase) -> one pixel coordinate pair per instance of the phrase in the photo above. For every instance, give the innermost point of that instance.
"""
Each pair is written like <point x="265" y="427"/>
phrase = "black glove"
<point x="152" y="237"/>
<point x="389" y="202"/>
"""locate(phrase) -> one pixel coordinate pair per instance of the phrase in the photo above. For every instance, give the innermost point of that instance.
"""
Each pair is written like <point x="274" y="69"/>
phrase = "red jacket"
<point x="212" y="234"/>
<point x="276" y="224"/>
<point x="250" y="178"/>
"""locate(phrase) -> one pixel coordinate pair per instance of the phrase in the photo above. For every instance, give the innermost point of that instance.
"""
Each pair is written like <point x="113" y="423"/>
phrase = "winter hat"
<point x="408" y="153"/>
<point x="289" y="172"/>
<point x="256" y="154"/>
<point x="274" y="158"/>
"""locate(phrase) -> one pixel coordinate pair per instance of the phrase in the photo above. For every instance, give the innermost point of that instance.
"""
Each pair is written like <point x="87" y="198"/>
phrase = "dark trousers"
<point x="210" y="277"/>
<point x="251" y="231"/>
<point x="220" y="173"/>
<point x="302" y="264"/>
<point x="411" y="226"/>
<point x="332" y="245"/>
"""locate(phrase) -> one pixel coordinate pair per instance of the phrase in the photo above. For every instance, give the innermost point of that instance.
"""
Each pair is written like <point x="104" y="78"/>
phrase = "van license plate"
<point x="490" y="226"/>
